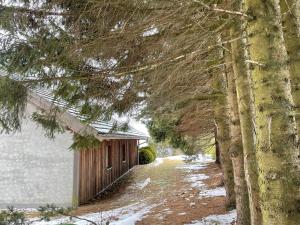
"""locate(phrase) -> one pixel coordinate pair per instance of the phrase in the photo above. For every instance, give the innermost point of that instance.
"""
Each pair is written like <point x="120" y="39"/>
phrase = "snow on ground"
<point x="131" y="214"/>
<point x="176" y="157"/>
<point x="225" y="219"/>
<point x="142" y="185"/>
<point x="128" y="215"/>
<point x="198" y="162"/>
<point x="190" y="167"/>
<point x="203" y="158"/>
<point x="219" y="191"/>
<point x="196" y="180"/>
<point x="27" y="210"/>
<point x="132" y="218"/>
<point x="157" y="162"/>
<point x="200" y="158"/>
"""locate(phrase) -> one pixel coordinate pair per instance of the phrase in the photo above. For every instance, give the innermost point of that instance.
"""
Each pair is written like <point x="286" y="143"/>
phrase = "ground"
<point x="168" y="191"/>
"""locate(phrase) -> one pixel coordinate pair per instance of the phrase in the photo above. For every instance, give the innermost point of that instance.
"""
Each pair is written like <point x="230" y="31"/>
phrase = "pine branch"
<point x="136" y="69"/>
<point x="38" y="12"/>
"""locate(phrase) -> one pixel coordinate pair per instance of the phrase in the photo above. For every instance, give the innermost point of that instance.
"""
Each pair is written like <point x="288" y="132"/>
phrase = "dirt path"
<point x="171" y="189"/>
<point x="148" y="184"/>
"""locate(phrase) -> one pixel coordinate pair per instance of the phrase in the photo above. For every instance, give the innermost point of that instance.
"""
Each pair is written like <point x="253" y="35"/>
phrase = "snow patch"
<point x="176" y="157"/>
<point x="203" y="158"/>
<point x="196" y="180"/>
<point x="132" y="218"/>
<point x="220" y="191"/>
<point x="225" y="219"/>
<point x="128" y="215"/>
<point x="142" y="185"/>
<point x="199" y="162"/>
<point x="157" y="162"/>
<point x="200" y="158"/>
<point x="25" y="210"/>
<point x="152" y="31"/>
<point x="191" y="166"/>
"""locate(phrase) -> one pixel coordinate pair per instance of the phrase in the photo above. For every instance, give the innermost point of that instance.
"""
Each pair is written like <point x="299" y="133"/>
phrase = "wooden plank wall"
<point x="94" y="176"/>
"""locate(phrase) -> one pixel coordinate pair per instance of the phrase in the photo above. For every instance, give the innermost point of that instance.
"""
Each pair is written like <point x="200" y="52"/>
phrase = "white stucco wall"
<point x="35" y="170"/>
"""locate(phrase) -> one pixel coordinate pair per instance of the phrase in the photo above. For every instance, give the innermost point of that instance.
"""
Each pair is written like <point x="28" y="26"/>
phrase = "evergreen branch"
<point x="202" y="97"/>
<point x="39" y="12"/>
<point x="81" y="142"/>
<point x="136" y="69"/>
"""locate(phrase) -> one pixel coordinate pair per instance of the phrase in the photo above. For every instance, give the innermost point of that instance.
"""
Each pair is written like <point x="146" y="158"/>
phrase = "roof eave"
<point x="115" y="136"/>
<point x="75" y="124"/>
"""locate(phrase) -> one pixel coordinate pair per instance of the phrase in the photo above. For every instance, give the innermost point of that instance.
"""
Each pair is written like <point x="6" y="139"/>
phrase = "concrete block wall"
<point x="35" y="170"/>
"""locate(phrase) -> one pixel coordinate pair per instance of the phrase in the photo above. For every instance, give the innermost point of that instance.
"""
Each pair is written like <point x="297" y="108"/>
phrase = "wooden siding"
<point x="94" y="176"/>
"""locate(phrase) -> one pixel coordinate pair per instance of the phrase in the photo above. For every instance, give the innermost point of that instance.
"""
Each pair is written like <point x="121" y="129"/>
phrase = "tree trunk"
<point x="223" y="138"/>
<point x="218" y="159"/>
<point x="246" y="115"/>
<point x="291" y="25"/>
<point x="276" y="146"/>
<point x="236" y="151"/>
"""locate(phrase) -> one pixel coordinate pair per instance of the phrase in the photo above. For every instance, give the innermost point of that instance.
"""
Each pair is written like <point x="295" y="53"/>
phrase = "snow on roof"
<point x="104" y="128"/>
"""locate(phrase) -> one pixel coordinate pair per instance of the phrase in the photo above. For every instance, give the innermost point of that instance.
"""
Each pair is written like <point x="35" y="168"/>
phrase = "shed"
<point x="35" y="170"/>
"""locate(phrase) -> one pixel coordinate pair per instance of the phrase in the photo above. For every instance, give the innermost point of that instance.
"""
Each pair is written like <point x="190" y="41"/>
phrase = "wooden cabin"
<point x="35" y="170"/>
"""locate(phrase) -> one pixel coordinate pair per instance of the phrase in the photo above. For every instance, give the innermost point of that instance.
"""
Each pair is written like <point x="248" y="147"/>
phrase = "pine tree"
<point x="246" y="113"/>
<point x="291" y="25"/>
<point x="221" y="115"/>
<point x="277" y="148"/>
<point x="236" y="150"/>
<point x="84" y="49"/>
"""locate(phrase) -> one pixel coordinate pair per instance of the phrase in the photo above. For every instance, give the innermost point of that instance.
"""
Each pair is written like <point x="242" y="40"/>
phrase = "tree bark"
<point x="246" y="115"/>
<point x="236" y="151"/>
<point x="276" y="146"/>
<point x="218" y="160"/>
<point x="223" y="137"/>
<point x="291" y="24"/>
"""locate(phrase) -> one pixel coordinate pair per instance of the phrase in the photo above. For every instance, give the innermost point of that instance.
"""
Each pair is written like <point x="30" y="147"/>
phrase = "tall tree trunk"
<point x="277" y="147"/>
<point x="236" y="151"/>
<point x="223" y="138"/>
<point x="218" y="160"/>
<point x="246" y="115"/>
<point x="291" y="25"/>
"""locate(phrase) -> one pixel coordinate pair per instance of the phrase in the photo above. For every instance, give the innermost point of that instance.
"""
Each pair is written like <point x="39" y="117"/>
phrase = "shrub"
<point x="151" y="149"/>
<point x="146" y="156"/>
<point x="50" y="210"/>
<point x="12" y="217"/>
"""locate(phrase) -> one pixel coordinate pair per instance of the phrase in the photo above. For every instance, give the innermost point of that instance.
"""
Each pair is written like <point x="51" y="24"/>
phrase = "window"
<point x="108" y="157"/>
<point x="123" y="149"/>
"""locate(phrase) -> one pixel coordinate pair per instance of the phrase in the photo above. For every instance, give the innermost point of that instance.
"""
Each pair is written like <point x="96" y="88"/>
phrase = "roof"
<point x="104" y="129"/>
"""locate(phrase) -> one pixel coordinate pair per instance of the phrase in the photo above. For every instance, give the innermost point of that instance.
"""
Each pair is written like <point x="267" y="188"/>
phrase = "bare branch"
<point x="214" y="8"/>
<point x="255" y="63"/>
